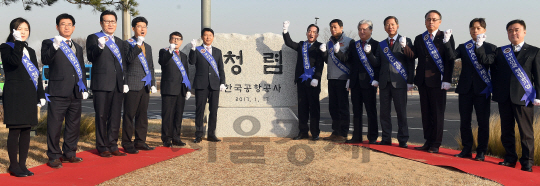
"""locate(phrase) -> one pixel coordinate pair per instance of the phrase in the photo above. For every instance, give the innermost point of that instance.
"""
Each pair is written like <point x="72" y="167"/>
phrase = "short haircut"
<point x="137" y="20"/>
<point x="206" y="30"/>
<point x="313" y="25"/>
<point x="176" y="33"/>
<point x="519" y="21"/>
<point x="107" y="12"/>
<point x="65" y="16"/>
<point x="14" y="25"/>
<point x="433" y="11"/>
<point x="339" y="22"/>
<point x="391" y="17"/>
<point x="366" y="22"/>
<point x="481" y="21"/>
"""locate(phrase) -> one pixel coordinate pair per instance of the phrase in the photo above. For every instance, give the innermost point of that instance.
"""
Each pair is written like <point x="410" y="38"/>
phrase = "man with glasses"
<point x="139" y="82"/>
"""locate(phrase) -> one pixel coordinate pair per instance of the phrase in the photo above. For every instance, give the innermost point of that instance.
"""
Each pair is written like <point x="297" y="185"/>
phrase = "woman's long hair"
<point x="14" y="25"/>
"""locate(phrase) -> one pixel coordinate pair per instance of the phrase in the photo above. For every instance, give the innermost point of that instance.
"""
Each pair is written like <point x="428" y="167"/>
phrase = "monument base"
<point x="256" y="122"/>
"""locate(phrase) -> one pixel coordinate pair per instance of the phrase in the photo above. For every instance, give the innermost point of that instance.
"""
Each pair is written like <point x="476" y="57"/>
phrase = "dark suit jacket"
<point x="134" y="72"/>
<point x="62" y="75"/>
<point x="469" y="78"/>
<point x="427" y="72"/>
<point x="359" y="75"/>
<point x="387" y="72"/>
<point x="20" y="96"/>
<point x="106" y="71"/>
<point x="505" y="83"/>
<point x="171" y="77"/>
<point x="205" y="74"/>
<point x="315" y="59"/>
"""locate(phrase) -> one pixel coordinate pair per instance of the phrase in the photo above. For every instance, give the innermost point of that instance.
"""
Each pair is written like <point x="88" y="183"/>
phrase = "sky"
<point x="252" y="17"/>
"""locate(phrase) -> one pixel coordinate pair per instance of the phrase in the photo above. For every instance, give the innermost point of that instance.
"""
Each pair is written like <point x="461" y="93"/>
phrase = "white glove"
<point x="140" y="40"/>
<point x="347" y="85"/>
<point x="445" y="85"/>
<point x="447" y="35"/>
<point x="42" y="102"/>
<point x="375" y="83"/>
<point x="57" y="41"/>
<point x="126" y="88"/>
<point x="480" y="38"/>
<point x="85" y="95"/>
<point x="101" y="42"/>
<point x="153" y="89"/>
<point x="314" y="82"/>
<point x="367" y="48"/>
<point x="410" y="87"/>
<point x="336" y="47"/>
<point x="536" y="102"/>
<point x="403" y="41"/>
<point x="193" y="44"/>
<point x="172" y="47"/>
<point x="323" y="47"/>
<point x="286" y="26"/>
<point x="17" y="35"/>
<point x="222" y="87"/>
<point x="188" y="94"/>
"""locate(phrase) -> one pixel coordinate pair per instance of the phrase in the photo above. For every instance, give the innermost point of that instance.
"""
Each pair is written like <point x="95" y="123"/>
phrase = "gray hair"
<point x="364" y="21"/>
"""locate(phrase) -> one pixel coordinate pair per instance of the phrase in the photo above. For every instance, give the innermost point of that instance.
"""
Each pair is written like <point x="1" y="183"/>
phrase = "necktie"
<point x="209" y="49"/>
<point x="363" y="44"/>
<point x="391" y="42"/>
<point x="111" y="38"/>
<point x="431" y="36"/>
<point x="143" y="50"/>
<point x="516" y="48"/>
<point x="308" y="45"/>
<point x="177" y="53"/>
<point x="68" y="43"/>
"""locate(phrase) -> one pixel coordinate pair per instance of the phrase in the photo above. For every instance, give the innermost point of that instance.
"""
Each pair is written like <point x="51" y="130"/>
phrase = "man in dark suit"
<point x="209" y="80"/>
<point x="175" y="90"/>
<point x="307" y="77"/>
<point x="474" y="90"/>
<point x="65" y="91"/>
<point x="363" y="83"/>
<point x="395" y="78"/>
<point x="433" y="77"/>
<point x="140" y="81"/>
<point x="516" y="96"/>
<point x="107" y="52"/>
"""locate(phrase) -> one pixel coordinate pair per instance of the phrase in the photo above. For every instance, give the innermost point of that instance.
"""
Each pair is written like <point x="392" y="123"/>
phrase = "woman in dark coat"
<point x="23" y="89"/>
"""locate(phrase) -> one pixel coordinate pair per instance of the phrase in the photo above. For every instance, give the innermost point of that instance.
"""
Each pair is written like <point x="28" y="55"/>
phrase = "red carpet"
<point x="488" y="169"/>
<point x="94" y="169"/>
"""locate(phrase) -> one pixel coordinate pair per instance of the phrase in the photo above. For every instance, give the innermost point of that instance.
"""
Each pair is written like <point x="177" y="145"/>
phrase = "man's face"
<point x="391" y="27"/>
<point x="207" y="38"/>
<point x="516" y="33"/>
<point x="25" y="32"/>
<point x="65" y="28"/>
<point x="177" y="40"/>
<point x="140" y="29"/>
<point x="312" y="34"/>
<point x="108" y="25"/>
<point x="476" y="29"/>
<point x="433" y="21"/>
<point x="364" y="32"/>
<point x="335" y="29"/>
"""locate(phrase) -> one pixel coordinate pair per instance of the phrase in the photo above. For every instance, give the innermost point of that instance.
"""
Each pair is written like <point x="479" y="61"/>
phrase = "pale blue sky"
<point x="251" y="17"/>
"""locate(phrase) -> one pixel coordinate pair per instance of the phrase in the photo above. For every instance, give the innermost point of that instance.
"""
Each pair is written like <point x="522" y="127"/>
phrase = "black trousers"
<point x="308" y="108"/>
<point x="135" y="107"/>
<point x="482" y="107"/>
<point x="108" y="108"/>
<point x="338" y="106"/>
<point x="361" y="98"/>
<point x="510" y="114"/>
<point x="60" y="108"/>
<point x="172" y="110"/>
<point x="432" y="105"/>
<point x="399" y="97"/>
<point x="201" y="98"/>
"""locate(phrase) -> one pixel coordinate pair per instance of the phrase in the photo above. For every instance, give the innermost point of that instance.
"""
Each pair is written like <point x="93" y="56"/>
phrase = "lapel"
<point x="396" y="46"/>
<point x="522" y="56"/>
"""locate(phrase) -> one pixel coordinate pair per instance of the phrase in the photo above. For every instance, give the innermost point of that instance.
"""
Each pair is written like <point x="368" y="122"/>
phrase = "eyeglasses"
<point x="176" y="39"/>
<point x="141" y="27"/>
<point x="109" y="22"/>
<point x="432" y="19"/>
<point x="66" y="25"/>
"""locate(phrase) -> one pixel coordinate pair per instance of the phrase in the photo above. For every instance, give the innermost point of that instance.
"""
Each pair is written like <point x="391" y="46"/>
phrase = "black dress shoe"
<point x="197" y="140"/>
<point x="433" y="150"/>
<point x="385" y="143"/>
<point x="527" y="168"/>
<point x="463" y="154"/>
<point x="56" y="163"/>
<point x="144" y="146"/>
<point x="212" y="139"/>
<point x="373" y="142"/>
<point x="105" y="154"/>
<point x="71" y="160"/>
<point x="301" y="136"/>
<point x="167" y="144"/>
<point x="17" y="173"/>
<point x="315" y="138"/>
<point x="178" y="143"/>
<point x="480" y="156"/>
<point x="131" y="150"/>
<point x="353" y="141"/>
<point x="29" y="173"/>
<point x="426" y="146"/>
<point x="403" y="145"/>
<point x="508" y="164"/>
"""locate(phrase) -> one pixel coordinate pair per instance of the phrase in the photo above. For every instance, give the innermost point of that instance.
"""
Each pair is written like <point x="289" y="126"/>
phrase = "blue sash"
<point x="209" y="58"/>
<point x="308" y="71"/>
<point x="433" y="52"/>
<point x="364" y="60"/>
<point x="148" y="78"/>
<point x="530" y="92"/>
<point x="112" y="46"/>
<point x="469" y="47"/>
<point x="393" y="61"/>
<point x="336" y="61"/>
<point x="29" y="66"/>
<point x="180" y="66"/>
<point x="74" y="62"/>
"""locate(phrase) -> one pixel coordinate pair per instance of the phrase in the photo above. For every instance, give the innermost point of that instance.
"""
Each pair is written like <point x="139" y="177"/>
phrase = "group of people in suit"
<point x="511" y="73"/>
<point x="122" y="75"/>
